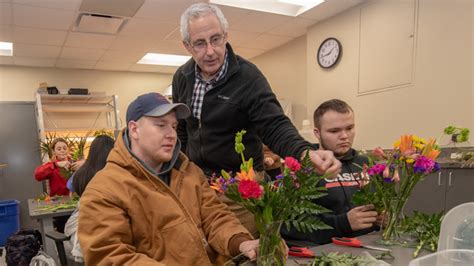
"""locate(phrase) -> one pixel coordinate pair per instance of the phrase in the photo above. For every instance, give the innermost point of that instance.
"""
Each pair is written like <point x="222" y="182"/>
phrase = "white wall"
<point x="285" y="69"/>
<point x="21" y="83"/>
<point x="441" y="92"/>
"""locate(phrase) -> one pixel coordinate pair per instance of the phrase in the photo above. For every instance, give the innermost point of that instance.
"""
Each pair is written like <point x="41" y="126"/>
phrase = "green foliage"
<point x="341" y="259"/>
<point x="424" y="228"/>
<point x="458" y="134"/>
<point x="105" y="132"/>
<point x="45" y="145"/>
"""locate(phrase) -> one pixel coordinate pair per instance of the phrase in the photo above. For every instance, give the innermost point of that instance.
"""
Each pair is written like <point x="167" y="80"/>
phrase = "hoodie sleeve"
<point x="44" y="171"/>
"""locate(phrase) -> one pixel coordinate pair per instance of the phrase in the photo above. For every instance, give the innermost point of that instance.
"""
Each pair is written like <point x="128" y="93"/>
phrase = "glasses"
<point x="215" y="41"/>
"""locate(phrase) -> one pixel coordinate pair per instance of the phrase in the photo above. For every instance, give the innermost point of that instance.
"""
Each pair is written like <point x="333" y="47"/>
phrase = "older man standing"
<point x="226" y="94"/>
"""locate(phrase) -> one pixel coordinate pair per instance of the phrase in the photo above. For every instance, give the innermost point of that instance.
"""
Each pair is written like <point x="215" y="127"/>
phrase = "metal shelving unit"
<point x="80" y="114"/>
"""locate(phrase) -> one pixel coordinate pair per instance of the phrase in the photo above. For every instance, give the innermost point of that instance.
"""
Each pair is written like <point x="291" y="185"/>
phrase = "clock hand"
<point x="328" y="53"/>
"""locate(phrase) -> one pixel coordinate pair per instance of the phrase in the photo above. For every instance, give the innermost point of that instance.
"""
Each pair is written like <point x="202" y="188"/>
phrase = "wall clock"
<point x="329" y="53"/>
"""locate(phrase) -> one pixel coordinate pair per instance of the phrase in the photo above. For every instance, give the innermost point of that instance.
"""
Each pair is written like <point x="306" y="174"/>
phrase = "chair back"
<point x="457" y="228"/>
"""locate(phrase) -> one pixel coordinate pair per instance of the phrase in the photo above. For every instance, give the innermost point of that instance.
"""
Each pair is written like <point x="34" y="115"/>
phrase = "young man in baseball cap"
<point x="151" y="204"/>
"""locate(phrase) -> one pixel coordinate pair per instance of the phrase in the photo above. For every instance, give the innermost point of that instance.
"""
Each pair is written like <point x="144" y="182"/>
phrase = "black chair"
<point x="59" y="238"/>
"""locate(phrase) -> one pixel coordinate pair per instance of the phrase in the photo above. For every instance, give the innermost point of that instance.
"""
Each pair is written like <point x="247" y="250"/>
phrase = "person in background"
<point x="335" y="129"/>
<point x="151" y="204"/>
<point x="271" y="162"/>
<point x="226" y="94"/>
<point x="98" y="152"/>
<point x="55" y="171"/>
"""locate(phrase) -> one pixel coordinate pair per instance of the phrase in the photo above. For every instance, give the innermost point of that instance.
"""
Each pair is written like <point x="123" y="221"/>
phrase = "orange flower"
<point x="430" y="150"/>
<point x="250" y="175"/>
<point x="406" y="145"/>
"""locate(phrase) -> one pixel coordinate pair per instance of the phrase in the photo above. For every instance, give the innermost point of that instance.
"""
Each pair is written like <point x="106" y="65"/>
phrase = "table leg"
<point x="48" y="244"/>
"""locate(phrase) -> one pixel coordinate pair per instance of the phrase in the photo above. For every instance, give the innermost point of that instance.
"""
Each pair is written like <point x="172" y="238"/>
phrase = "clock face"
<point x="329" y="52"/>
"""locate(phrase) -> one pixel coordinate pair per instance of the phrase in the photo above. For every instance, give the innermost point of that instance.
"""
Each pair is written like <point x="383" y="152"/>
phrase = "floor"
<point x="2" y="258"/>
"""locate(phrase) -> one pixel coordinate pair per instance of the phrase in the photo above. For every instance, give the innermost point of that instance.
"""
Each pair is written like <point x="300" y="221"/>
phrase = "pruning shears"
<point x="301" y="252"/>
<point x="355" y="242"/>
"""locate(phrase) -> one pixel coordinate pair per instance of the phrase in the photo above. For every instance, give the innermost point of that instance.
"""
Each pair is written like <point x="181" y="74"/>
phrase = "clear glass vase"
<point x="394" y="215"/>
<point x="271" y="249"/>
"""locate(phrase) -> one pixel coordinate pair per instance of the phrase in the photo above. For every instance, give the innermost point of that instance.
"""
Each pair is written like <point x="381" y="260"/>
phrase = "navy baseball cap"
<point x="154" y="104"/>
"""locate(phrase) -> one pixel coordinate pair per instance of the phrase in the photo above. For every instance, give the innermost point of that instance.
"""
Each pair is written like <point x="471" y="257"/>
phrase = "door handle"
<point x="439" y="179"/>
<point x="450" y="183"/>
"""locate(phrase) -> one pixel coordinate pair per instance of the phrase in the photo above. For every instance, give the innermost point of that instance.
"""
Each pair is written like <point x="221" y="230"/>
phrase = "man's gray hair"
<point x="198" y="10"/>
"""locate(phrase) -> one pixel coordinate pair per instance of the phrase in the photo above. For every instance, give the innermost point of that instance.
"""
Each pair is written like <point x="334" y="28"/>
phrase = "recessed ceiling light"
<point x="164" y="59"/>
<point x="283" y="7"/>
<point x="6" y="48"/>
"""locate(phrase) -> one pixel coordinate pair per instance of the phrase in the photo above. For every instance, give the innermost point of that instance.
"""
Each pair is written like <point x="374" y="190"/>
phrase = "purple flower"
<point x="280" y="176"/>
<point x="388" y="180"/>
<point x="423" y="165"/>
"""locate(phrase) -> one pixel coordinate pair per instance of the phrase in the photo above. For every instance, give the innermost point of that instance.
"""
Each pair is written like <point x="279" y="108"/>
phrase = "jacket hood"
<point x="349" y="156"/>
<point x="122" y="155"/>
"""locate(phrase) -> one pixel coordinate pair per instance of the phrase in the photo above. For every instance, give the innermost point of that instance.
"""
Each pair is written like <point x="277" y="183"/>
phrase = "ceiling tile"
<point x="44" y="18"/>
<point x="133" y="43"/>
<point x="81" y="53"/>
<point x="236" y="37"/>
<point x="169" y="47"/>
<point x="37" y="62"/>
<point x="163" y="10"/>
<point x="6" y="33"/>
<point x="293" y="28"/>
<point x="234" y="15"/>
<point x="82" y="64"/>
<point x="153" y="68"/>
<point x="248" y="53"/>
<point x="259" y="22"/>
<point x="5" y="14"/>
<point x="89" y="40"/>
<point x="267" y="42"/>
<point x="123" y="56"/>
<point x="329" y="8"/>
<point x="6" y="60"/>
<point x="116" y="66"/>
<point x="148" y="27"/>
<point x="38" y="36"/>
<point x="175" y="35"/>
<point x="56" y="4"/>
<point x="30" y="50"/>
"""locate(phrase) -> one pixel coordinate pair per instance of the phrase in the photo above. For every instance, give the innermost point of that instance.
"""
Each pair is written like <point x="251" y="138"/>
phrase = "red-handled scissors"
<point x="301" y="252"/>
<point x="355" y="242"/>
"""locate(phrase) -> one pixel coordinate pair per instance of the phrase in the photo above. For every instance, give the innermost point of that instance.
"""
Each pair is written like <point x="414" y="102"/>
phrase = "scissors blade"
<point x="376" y="248"/>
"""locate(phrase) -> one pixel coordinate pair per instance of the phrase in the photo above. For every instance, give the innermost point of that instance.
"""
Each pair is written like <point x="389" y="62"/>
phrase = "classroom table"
<point x="402" y="255"/>
<point x="45" y="218"/>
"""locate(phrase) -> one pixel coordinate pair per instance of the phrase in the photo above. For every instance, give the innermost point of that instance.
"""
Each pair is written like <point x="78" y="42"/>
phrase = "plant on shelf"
<point x="458" y="134"/>
<point x="45" y="145"/>
<point x="394" y="176"/>
<point x="105" y="132"/>
<point x="286" y="200"/>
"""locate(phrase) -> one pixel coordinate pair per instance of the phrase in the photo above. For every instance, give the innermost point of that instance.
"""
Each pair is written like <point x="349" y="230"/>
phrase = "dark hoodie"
<point x="338" y="200"/>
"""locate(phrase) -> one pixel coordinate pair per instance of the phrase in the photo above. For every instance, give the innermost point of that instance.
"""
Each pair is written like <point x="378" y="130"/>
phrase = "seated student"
<point x="150" y="204"/>
<point x="99" y="150"/>
<point x="335" y="129"/>
<point x="53" y="171"/>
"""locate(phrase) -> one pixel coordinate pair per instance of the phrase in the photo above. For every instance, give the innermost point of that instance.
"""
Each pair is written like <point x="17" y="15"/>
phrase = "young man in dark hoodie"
<point x="335" y="129"/>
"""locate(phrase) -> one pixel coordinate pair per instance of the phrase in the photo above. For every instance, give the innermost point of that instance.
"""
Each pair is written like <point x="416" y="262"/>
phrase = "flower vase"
<point x="394" y="215"/>
<point x="271" y="249"/>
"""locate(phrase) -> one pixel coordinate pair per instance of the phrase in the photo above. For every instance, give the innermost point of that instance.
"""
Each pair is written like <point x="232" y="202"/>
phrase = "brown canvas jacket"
<point x="129" y="216"/>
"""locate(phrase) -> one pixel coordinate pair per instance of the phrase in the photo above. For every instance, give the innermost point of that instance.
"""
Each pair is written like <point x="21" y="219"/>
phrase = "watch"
<point x="329" y="53"/>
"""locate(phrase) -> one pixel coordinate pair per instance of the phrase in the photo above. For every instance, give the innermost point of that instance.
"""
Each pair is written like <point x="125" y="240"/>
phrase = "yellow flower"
<point x="410" y="160"/>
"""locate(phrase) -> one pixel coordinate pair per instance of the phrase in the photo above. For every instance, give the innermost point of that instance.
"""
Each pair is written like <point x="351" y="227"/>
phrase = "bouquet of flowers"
<point x="286" y="200"/>
<point x="391" y="180"/>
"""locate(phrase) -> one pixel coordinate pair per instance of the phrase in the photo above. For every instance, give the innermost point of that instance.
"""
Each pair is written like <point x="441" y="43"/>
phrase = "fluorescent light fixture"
<point x="164" y="59"/>
<point x="6" y="48"/>
<point x="283" y="7"/>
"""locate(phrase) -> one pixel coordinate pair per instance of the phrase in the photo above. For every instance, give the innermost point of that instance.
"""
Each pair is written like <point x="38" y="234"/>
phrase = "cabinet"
<point x="442" y="191"/>
<point x="76" y="114"/>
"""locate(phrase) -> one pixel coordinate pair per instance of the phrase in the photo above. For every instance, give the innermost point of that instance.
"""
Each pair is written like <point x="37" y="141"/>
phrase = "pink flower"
<point x="376" y="169"/>
<point x="292" y="163"/>
<point x="379" y="153"/>
<point x="250" y="189"/>
<point x="386" y="172"/>
<point x="396" y="176"/>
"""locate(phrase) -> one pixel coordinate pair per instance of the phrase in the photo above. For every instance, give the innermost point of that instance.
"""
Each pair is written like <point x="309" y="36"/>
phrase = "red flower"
<point x="292" y="163"/>
<point x="250" y="189"/>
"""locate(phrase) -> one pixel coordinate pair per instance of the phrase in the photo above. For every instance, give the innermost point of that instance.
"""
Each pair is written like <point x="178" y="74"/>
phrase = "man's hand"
<point x="382" y="219"/>
<point x="362" y="217"/>
<point x="249" y="248"/>
<point x="324" y="162"/>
